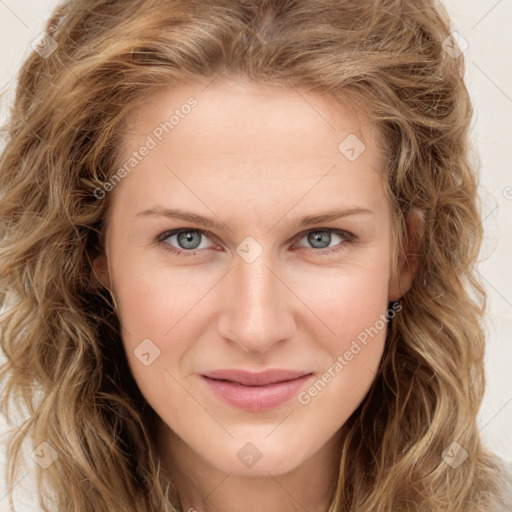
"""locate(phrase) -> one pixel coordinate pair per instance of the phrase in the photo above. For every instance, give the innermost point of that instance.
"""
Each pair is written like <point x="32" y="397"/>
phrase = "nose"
<point x="257" y="306"/>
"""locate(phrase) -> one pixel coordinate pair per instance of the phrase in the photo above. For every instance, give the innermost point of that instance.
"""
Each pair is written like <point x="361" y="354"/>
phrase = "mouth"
<point x="256" y="391"/>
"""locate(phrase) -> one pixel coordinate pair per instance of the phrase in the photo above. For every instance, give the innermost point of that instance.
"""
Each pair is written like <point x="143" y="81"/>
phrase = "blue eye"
<point x="186" y="241"/>
<point x="321" y="239"/>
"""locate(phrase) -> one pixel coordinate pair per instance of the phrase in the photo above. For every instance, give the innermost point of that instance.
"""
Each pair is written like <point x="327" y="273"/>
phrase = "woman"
<point x="237" y="245"/>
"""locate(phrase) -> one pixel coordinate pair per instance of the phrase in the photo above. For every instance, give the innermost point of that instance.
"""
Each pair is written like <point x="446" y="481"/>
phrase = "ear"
<point x="401" y="279"/>
<point x="101" y="271"/>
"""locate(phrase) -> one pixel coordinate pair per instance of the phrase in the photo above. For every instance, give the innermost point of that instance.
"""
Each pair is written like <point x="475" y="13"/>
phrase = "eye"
<point x="184" y="241"/>
<point x="321" y="239"/>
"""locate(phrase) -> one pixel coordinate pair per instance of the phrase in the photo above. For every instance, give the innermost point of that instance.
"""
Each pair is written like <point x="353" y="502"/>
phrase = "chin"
<point x="256" y="459"/>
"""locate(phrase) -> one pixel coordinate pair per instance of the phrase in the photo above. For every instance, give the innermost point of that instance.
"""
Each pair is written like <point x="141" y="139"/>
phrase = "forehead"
<point x="241" y="116"/>
<point x="261" y="141"/>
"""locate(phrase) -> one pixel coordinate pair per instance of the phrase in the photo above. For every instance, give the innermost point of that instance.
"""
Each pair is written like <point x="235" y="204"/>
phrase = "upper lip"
<point x="256" y="378"/>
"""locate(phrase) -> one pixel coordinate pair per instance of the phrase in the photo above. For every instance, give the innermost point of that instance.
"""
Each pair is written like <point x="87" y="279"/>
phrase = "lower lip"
<point x="256" y="398"/>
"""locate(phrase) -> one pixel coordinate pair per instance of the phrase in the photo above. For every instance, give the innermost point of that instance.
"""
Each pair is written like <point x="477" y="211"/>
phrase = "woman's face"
<point x="280" y="270"/>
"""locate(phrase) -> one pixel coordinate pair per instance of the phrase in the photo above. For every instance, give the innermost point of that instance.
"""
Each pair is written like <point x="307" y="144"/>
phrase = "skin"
<point x="258" y="159"/>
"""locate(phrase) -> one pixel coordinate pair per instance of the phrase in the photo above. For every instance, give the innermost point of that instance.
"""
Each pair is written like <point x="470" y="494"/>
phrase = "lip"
<point x="256" y="391"/>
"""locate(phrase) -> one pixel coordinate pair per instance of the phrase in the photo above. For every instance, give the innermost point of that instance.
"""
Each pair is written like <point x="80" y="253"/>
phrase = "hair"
<point x="59" y="332"/>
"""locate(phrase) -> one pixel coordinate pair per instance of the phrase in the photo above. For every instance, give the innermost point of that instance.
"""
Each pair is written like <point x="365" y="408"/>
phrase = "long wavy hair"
<point x="59" y="332"/>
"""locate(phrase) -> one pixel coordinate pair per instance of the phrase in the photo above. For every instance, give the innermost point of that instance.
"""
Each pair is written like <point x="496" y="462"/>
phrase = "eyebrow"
<point x="211" y="223"/>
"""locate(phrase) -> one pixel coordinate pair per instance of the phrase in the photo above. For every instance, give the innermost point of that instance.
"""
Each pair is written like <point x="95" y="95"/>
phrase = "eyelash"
<point x="345" y="235"/>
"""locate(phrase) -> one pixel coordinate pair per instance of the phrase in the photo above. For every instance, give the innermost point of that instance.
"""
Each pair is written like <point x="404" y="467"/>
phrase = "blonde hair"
<point x="59" y="333"/>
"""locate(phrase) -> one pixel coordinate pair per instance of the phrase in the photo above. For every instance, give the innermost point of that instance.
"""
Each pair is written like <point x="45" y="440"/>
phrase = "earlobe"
<point x="402" y="278"/>
<point x="101" y="271"/>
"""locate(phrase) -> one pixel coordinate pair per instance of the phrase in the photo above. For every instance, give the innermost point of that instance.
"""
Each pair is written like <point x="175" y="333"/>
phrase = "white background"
<point x="486" y="26"/>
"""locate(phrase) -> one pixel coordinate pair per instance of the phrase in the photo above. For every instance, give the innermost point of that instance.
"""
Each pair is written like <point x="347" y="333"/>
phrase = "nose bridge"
<point x="257" y="314"/>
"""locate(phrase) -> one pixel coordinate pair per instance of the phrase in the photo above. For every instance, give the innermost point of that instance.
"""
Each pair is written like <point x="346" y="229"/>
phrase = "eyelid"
<point x="166" y="234"/>
<point x="347" y="237"/>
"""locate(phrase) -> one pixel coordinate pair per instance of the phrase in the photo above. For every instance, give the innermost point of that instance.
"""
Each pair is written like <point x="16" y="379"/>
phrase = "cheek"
<point x="156" y="301"/>
<point x="346" y="300"/>
<point x="352" y="303"/>
<point x="336" y="331"/>
<point x="159" y="322"/>
<point x="174" y="307"/>
<point x="167" y="306"/>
